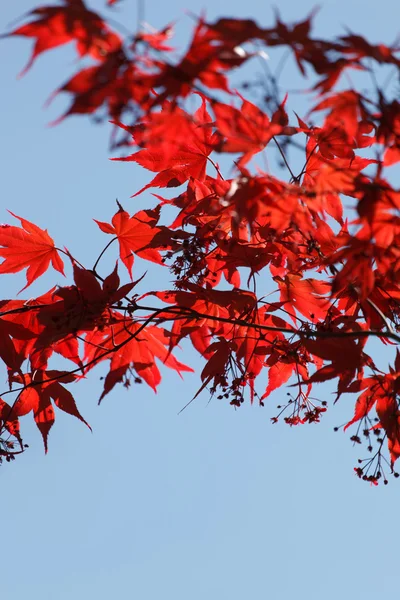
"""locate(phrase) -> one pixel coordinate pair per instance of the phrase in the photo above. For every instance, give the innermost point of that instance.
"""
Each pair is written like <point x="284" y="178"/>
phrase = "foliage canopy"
<point x="235" y="236"/>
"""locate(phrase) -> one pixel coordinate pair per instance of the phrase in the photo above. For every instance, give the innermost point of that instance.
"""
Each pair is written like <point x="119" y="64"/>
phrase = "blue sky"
<point x="213" y="503"/>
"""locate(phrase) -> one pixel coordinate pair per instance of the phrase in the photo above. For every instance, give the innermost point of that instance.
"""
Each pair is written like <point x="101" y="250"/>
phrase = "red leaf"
<point x="246" y="130"/>
<point x="158" y="39"/>
<point x="29" y="248"/>
<point x="58" y="25"/>
<point x="8" y="420"/>
<point x="138" y="234"/>
<point x="364" y="404"/>
<point x="278" y="374"/>
<point x="389" y="416"/>
<point x="177" y="145"/>
<point x="392" y="156"/>
<point x="128" y="345"/>
<point x="305" y="295"/>
<point x="37" y="398"/>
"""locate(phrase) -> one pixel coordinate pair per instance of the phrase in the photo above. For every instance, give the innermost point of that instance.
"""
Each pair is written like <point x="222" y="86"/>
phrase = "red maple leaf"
<point x="176" y="145"/>
<point x="58" y="25"/>
<point x="116" y="83"/>
<point x="128" y="345"/>
<point x="247" y="129"/>
<point x="365" y="402"/>
<point x="347" y="118"/>
<point x="157" y="39"/>
<point x="307" y="296"/>
<point x="37" y="397"/>
<point x="207" y="59"/>
<point x="28" y="248"/>
<point x="14" y="335"/>
<point x="78" y="308"/>
<point x="281" y="368"/>
<point x="139" y="234"/>
<point x="9" y="421"/>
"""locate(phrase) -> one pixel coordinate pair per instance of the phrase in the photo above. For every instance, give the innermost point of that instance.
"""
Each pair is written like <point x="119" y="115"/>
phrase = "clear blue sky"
<point x="213" y="503"/>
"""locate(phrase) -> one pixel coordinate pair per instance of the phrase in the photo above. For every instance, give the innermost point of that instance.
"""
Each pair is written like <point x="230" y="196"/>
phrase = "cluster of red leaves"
<point x="337" y="282"/>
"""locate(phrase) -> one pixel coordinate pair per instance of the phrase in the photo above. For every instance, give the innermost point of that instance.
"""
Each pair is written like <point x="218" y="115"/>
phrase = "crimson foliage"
<point x="337" y="279"/>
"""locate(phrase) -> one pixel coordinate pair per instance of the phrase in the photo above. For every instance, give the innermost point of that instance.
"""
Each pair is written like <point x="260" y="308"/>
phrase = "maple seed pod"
<point x="355" y="439"/>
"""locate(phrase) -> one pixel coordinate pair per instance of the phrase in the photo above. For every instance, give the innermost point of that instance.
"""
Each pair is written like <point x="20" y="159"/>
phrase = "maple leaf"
<point x="219" y="354"/>
<point x="13" y="336"/>
<point x="364" y="403"/>
<point x="78" y="308"/>
<point x="28" y="248"/>
<point x="236" y="31"/>
<point x="357" y="255"/>
<point x="392" y="155"/>
<point x="348" y="117"/>
<point x="247" y="130"/>
<point x="306" y="50"/>
<point x="207" y="59"/>
<point x="9" y="421"/>
<point x="381" y="392"/>
<point x="157" y="39"/>
<point x="387" y="409"/>
<point x="128" y="345"/>
<point x="37" y="397"/>
<point x="117" y="84"/>
<point x="177" y="145"/>
<point x="139" y="234"/>
<point x="388" y="130"/>
<point x="33" y="338"/>
<point x="360" y="47"/>
<point x="206" y="301"/>
<point x="325" y="179"/>
<point x="307" y="296"/>
<point x="252" y="346"/>
<point x="58" y="25"/>
<point x="37" y="328"/>
<point x="281" y="368"/>
<point x="346" y="355"/>
<point x="208" y="316"/>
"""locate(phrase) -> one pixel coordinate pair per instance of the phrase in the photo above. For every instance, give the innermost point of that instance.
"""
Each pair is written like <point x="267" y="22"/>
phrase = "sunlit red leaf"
<point x="58" y="25"/>
<point x="28" y="248"/>
<point x="175" y="145"/>
<point x="247" y="130"/>
<point x="307" y="296"/>
<point x="365" y="402"/>
<point x="138" y="234"/>
<point x="128" y="345"/>
<point x="39" y="396"/>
